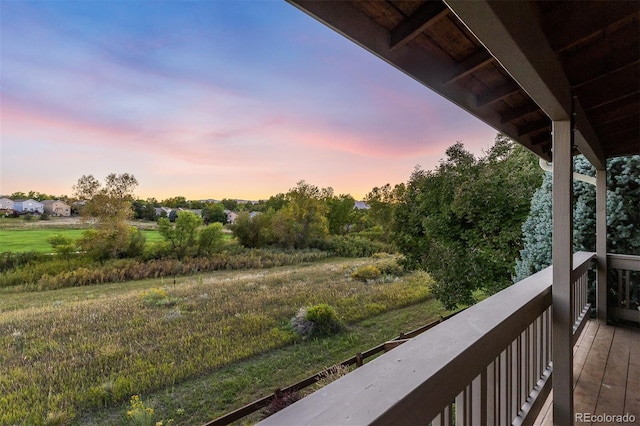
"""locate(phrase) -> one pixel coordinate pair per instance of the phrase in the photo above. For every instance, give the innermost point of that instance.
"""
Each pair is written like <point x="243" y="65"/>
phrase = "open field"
<point x="36" y="239"/>
<point x="70" y="352"/>
<point x="18" y="235"/>
<point x="209" y="396"/>
<point x="20" y="240"/>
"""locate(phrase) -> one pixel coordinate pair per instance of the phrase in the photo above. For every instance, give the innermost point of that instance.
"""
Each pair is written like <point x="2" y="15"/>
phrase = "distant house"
<point x="231" y="216"/>
<point x="28" y="206"/>
<point x="197" y="212"/>
<point x="361" y="205"/>
<point x="163" y="211"/>
<point x="6" y="205"/>
<point x="56" y="208"/>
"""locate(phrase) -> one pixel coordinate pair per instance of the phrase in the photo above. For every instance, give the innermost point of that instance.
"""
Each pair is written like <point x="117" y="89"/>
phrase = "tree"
<point x="276" y="202"/>
<point x="213" y="212"/>
<point x="536" y="233"/>
<point x="210" y="239"/>
<point x="623" y="215"/>
<point x="462" y="221"/>
<point x="340" y="213"/>
<point x="183" y="234"/>
<point x="382" y="202"/>
<point x="254" y="230"/>
<point x="231" y="205"/>
<point x="303" y="218"/>
<point x="109" y="205"/>
<point x="62" y="245"/>
<point x="145" y="209"/>
<point x="175" y="202"/>
<point x="187" y="237"/>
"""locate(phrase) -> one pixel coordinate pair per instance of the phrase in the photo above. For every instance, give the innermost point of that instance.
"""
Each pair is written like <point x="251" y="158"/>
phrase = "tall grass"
<point x="55" y="273"/>
<point x="68" y="355"/>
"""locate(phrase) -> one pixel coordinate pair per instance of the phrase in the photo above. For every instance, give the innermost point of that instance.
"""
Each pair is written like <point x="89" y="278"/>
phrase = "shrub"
<point x="390" y="266"/>
<point x="366" y="273"/>
<point x="351" y="246"/>
<point x="155" y="297"/>
<point x="49" y="273"/>
<point x="11" y="260"/>
<point x="301" y="324"/>
<point x="325" y="319"/>
<point x="317" y="320"/>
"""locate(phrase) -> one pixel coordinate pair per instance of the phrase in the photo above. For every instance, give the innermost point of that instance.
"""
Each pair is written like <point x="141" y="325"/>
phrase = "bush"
<point x="351" y="246"/>
<point x="366" y="273"/>
<point x="325" y="319"/>
<point x="317" y="320"/>
<point x="158" y="297"/>
<point x="11" y="260"/>
<point x="389" y="265"/>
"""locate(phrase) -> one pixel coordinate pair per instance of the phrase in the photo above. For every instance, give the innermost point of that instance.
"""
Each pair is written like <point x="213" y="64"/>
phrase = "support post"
<point x="562" y="288"/>
<point x="601" y="244"/>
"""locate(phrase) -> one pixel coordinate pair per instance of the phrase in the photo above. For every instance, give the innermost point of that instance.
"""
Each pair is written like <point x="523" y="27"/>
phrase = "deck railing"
<point x="624" y="286"/>
<point x="488" y="365"/>
<point x="581" y="302"/>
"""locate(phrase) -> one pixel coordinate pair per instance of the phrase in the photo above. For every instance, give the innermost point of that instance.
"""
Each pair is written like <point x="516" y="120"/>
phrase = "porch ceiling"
<point x="514" y="65"/>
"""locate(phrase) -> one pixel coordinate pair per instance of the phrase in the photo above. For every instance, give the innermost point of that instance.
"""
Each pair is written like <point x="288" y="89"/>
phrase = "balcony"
<point x="560" y="78"/>
<point x="491" y="364"/>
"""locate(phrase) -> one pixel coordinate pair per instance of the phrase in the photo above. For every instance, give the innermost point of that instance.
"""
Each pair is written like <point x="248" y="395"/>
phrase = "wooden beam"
<point x="617" y="85"/>
<point x="513" y="35"/>
<point x="534" y="127"/>
<point x="584" y="137"/>
<point x="606" y="74"/>
<point x="470" y="65"/>
<point x="562" y="288"/>
<point x="425" y="16"/>
<point x="518" y="112"/>
<point x="541" y="138"/>
<point x="570" y="26"/>
<point x="497" y="94"/>
<point x="622" y="124"/>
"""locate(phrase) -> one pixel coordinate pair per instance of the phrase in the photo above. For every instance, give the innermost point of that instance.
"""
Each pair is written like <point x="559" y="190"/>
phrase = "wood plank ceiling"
<point x="588" y="50"/>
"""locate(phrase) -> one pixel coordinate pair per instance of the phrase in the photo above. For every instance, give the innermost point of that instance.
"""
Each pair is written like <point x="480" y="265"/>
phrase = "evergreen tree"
<point x="623" y="215"/>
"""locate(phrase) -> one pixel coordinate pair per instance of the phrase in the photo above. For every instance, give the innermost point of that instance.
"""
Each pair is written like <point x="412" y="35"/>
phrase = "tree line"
<point x="474" y="223"/>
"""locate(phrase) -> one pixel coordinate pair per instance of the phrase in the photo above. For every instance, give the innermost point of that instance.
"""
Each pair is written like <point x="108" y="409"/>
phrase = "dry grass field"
<point x="73" y="351"/>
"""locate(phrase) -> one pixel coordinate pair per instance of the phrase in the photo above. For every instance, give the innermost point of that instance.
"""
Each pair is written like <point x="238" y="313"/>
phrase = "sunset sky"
<point x="207" y="99"/>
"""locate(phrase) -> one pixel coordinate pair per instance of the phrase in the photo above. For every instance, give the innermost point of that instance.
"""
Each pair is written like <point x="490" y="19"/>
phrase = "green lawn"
<point x="21" y="240"/>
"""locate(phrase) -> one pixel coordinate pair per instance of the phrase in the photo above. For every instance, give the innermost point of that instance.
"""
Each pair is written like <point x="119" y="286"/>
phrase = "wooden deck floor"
<point x="606" y="374"/>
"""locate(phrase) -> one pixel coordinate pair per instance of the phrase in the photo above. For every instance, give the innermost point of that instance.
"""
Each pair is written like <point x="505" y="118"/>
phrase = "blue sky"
<point x="207" y="99"/>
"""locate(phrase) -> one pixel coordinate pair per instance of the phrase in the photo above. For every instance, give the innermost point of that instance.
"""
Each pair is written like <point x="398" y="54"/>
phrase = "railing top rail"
<point x="581" y="262"/>
<point x="623" y="261"/>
